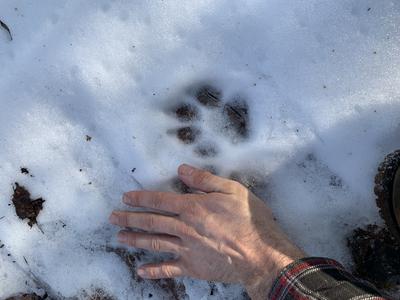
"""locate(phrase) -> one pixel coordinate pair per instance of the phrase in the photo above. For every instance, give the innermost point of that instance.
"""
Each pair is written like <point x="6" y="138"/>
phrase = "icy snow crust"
<point x="321" y="78"/>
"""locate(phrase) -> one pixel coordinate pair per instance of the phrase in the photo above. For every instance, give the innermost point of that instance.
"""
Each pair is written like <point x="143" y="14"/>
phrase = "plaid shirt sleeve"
<point x="320" y="278"/>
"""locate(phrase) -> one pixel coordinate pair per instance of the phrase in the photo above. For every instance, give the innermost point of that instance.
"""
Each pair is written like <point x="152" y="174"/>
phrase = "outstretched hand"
<point x="225" y="233"/>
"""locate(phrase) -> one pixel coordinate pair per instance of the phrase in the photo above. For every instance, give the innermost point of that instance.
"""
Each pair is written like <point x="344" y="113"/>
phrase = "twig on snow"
<point x="6" y="28"/>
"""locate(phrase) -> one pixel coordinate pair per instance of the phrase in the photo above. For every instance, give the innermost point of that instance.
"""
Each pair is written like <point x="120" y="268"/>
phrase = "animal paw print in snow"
<point x="235" y="116"/>
<point x="207" y="99"/>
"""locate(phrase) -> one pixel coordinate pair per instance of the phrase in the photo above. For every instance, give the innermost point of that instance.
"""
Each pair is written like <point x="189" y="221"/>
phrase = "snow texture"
<point x="321" y="79"/>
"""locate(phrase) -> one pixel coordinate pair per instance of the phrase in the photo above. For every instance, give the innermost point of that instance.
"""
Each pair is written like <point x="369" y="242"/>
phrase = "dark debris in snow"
<point x="25" y="171"/>
<point x="6" y="28"/>
<point x="171" y="288"/>
<point x="27" y="297"/>
<point x="25" y="207"/>
<point x="376" y="256"/>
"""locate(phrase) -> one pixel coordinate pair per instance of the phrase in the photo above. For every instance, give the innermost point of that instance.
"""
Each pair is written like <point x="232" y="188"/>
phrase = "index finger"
<point x="163" y="201"/>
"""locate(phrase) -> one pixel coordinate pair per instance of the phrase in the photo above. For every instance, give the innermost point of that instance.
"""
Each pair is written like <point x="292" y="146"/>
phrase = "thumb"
<point x="204" y="181"/>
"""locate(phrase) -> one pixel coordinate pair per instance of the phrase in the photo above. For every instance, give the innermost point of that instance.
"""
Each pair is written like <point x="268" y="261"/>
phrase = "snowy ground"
<point x="321" y="78"/>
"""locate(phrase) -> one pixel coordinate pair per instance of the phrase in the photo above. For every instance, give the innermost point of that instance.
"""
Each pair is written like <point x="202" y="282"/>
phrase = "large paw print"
<point x="206" y="103"/>
<point x="234" y="116"/>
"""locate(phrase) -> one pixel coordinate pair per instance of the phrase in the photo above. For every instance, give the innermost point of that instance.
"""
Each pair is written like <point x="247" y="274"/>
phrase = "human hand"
<point x="223" y="234"/>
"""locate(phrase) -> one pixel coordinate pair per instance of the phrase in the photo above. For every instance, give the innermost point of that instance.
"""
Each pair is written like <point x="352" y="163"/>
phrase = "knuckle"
<point x="190" y="208"/>
<point x="220" y="247"/>
<point x="177" y="228"/>
<point x="155" y="244"/>
<point x="156" y="200"/>
<point x="152" y="273"/>
<point x="149" y="222"/>
<point x="166" y="271"/>
<point x="186" y="231"/>
<point x="236" y="187"/>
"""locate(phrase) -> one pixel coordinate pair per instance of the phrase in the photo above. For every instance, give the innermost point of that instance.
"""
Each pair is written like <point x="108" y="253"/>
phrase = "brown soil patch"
<point x="131" y="259"/>
<point x="376" y="255"/>
<point x="27" y="297"/>
<point x="25" y="207"/>
<point x="98" y="294"/>
<point x="175" y="290"/>
<point x="384" y="189"/>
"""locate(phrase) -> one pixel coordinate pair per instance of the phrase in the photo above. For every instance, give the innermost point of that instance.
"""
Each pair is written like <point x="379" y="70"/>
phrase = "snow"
<point x="321" y="78"/>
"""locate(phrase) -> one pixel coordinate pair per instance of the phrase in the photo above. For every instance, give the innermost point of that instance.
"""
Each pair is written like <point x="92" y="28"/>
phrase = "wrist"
<point x="261" y="283"/>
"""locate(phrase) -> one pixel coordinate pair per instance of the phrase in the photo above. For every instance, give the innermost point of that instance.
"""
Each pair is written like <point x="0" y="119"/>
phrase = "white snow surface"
<point x="321" y="78"/>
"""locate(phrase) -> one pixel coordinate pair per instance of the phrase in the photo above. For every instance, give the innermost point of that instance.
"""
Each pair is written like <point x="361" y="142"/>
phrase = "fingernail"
<point x="113" y="219"/>
<point x="141" y="273"/>
<point x="122" y="238"/>
<point x="185" y="170"/>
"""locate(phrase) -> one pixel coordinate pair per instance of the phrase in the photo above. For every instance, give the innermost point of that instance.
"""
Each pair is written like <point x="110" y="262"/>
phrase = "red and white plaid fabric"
<point x="320" y="278"/>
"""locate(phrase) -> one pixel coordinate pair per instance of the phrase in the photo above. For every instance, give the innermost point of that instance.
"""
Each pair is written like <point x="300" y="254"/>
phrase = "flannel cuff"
<point x="320" y="278"/>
